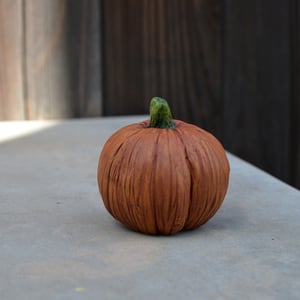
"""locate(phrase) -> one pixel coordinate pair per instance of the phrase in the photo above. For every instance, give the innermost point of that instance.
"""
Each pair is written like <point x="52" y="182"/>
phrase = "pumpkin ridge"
<point x="111" y="206"/>
<point x="153" y="180"/>
<point x="182" y="212"/>
<point x="193" y="221"/>
<point x="211" y="194"/>
<point x="128" y="161"/>
<point x="109" y="166"/>
<point x="210" y="159"/>
<point x="218" y="194"/>
<point x="215" y="155"/>
<point x="178" y="132"/>
<point x="135" y="132"/>
<point x="132" y="200"/>
<point x="135" y="205"/>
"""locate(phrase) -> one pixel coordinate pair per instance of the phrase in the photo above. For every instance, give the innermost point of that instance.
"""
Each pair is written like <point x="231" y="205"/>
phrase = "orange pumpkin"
<point x="163" y="175"/>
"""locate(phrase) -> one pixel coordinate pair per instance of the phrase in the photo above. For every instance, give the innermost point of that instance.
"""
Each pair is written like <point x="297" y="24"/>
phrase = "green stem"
<point x="160" y="114"/>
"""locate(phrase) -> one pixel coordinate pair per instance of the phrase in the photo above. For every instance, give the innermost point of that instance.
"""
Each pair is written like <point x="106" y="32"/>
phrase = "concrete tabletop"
<point x="57" y="241"/>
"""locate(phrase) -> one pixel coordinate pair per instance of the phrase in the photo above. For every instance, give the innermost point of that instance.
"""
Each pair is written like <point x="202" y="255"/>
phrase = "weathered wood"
<point x="57" y="57"/>
<point x="163" y="48"/>
<point x="47" y="78"/>
<point x="256" y="121"/>
<point x="11" y="81"/>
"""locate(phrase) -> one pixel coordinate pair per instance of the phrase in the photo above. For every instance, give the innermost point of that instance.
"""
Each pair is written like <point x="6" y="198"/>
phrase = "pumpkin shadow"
<point x="231" y="218"/>
<point x="228" y="218"/>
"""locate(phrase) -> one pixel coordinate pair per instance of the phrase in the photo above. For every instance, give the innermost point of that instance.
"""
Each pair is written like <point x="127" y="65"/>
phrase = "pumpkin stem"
<point x="160" y="114"/>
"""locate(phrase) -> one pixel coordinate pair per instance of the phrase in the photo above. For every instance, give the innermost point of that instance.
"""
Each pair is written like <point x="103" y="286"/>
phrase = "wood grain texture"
<point x="122" y="57"/>
<point x="182" y="42"/>
<point x="60" y="73"/>
<point x="163" y="48"/>
<point x="11" y="80"/>
<point x="256" y="88"/>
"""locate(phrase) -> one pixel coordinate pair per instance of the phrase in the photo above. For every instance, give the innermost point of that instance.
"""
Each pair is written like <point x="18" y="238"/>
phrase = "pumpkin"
<point x="161" y="176"/>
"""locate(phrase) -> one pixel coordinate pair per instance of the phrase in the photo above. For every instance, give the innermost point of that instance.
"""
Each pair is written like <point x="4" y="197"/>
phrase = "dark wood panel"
<point x="90" y="91"/>
<point x="163" y="48"/>
<point x="182" y="46"/>
<point x="122" y="57"/>
<point x="61" y="67"/>
<point x="295" y="100"/>
<point x="257" y="77"/>
<point x="11" y="82"/>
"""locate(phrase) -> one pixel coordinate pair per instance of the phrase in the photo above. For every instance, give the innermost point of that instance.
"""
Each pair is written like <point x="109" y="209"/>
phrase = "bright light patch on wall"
<point x="10" y="130"/>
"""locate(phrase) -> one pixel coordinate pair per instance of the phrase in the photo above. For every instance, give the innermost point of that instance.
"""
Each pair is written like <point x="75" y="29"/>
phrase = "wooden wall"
<point x="50" y="59"/>
<point x="256" y="93"/>
<point x="11" y="80"/>
<point x="232" y="67"/>
<point x="170" y="49"/>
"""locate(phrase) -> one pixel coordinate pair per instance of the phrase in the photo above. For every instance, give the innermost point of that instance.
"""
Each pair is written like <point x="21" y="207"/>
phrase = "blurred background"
<point x="229" y="66"/>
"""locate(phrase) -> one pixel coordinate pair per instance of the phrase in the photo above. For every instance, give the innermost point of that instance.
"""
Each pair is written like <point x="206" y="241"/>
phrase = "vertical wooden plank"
<point x="90" y="79"/>
<point x="84" y="56"/>
<point x="182" y="46"/>
<point x="48" y="82"/>
<point x="58" y="59"/>
<point x="257" y="83"/>
<point x="122" y="57"/>
<point x="274" y="85"/>
<point x="239" y="79"/>
<point x="11" y="80"/>
<point x="163" y="48"/>
<point x="295" y="100"/>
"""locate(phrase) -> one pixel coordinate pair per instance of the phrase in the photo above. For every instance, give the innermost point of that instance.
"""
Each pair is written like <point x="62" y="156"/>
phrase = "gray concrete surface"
<point x="58" y="242"/>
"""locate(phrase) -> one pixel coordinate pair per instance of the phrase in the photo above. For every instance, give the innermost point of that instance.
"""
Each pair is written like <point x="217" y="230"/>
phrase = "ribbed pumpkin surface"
<point x="161" y="181"/>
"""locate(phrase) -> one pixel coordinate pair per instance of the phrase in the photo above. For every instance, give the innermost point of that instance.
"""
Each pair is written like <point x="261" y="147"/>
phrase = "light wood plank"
<point x="11" y="77"/>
